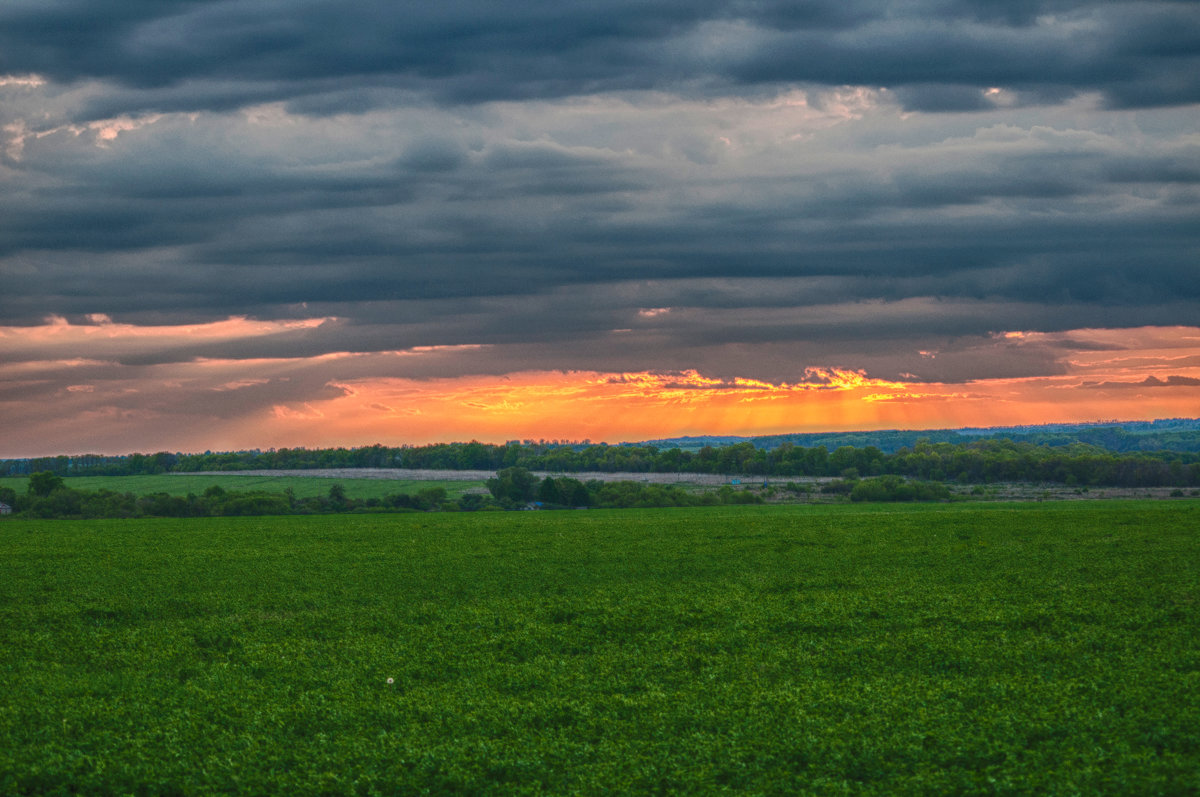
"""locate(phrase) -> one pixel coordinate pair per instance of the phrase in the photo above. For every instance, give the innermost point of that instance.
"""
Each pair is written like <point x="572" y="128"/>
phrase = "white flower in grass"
<point x="391" y="681"/>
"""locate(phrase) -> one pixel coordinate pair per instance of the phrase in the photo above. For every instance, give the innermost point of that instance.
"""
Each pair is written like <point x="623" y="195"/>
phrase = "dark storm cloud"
<point x="328" y="57"/>
<point x="241" y="232"/>
<point x="728" y="185"/>
<point x="1083" y="263"/>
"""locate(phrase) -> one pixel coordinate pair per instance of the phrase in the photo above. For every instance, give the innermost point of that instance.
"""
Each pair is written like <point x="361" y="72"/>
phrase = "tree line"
<point x="48" y="495"/>
<point x="1171" y="434"/>
<point x="976" y="461"/>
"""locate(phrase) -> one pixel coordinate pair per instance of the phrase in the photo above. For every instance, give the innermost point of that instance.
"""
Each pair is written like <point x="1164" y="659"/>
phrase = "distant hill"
<point x="1168" y="434"/>
<point x="1164" y="452"/>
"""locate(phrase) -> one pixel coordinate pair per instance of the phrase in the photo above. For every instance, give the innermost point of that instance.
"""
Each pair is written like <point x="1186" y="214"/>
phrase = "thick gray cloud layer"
<point x="328" y="55"/>
<point x="800" y="183"/>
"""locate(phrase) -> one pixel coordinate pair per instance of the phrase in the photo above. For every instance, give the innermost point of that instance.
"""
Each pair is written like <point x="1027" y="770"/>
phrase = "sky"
<point x="232" y="224"/>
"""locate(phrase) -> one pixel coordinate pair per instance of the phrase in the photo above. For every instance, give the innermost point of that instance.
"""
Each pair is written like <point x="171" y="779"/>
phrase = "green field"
<point x="302" y="486"/>
<point x="974" y="649"/>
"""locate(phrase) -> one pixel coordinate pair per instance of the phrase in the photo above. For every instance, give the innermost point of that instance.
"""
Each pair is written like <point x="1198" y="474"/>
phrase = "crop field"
<point x="1048" y="648"/>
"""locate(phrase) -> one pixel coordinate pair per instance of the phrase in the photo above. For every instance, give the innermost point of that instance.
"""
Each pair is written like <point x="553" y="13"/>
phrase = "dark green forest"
<point x="977" y="461"/>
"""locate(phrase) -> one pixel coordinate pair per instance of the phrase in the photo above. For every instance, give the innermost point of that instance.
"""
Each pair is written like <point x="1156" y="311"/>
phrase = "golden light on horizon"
<point x="620" y="407"/>
<point x="105" y="387"/>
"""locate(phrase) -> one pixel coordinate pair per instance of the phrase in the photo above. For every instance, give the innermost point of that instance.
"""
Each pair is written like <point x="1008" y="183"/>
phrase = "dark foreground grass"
<point x="950" y="649"/>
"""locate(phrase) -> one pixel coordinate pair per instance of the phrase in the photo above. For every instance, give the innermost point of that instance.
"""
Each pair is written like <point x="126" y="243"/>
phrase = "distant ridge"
<point x="1173" y="440"/>
<point x="1165" y="434"/>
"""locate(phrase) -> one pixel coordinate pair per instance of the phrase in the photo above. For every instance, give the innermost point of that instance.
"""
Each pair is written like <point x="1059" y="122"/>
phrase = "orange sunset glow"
<point x="616" y="407"/>
<point x="119" y="387"/>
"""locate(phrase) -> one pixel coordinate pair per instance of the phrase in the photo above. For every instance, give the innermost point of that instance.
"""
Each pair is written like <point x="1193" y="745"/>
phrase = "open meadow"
<point x="1046" y="648"/>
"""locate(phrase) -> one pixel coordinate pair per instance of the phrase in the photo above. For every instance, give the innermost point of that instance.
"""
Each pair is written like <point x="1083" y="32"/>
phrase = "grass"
<point x="978" y="649"/>
<point x="303" y="486"/>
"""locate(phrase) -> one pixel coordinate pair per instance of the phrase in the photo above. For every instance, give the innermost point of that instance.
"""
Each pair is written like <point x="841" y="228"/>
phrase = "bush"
<point x="513" y="485"/>
<point x="429" y="498"/>
<point x="728" y="495"/>
<point x="622" y="495"/>
<point x="255" y="504"/>
<point x="471" y="502"/>
<point x="565" y="491"/>
<point x="42" y="483"/>
<point x="896" y="488"/>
